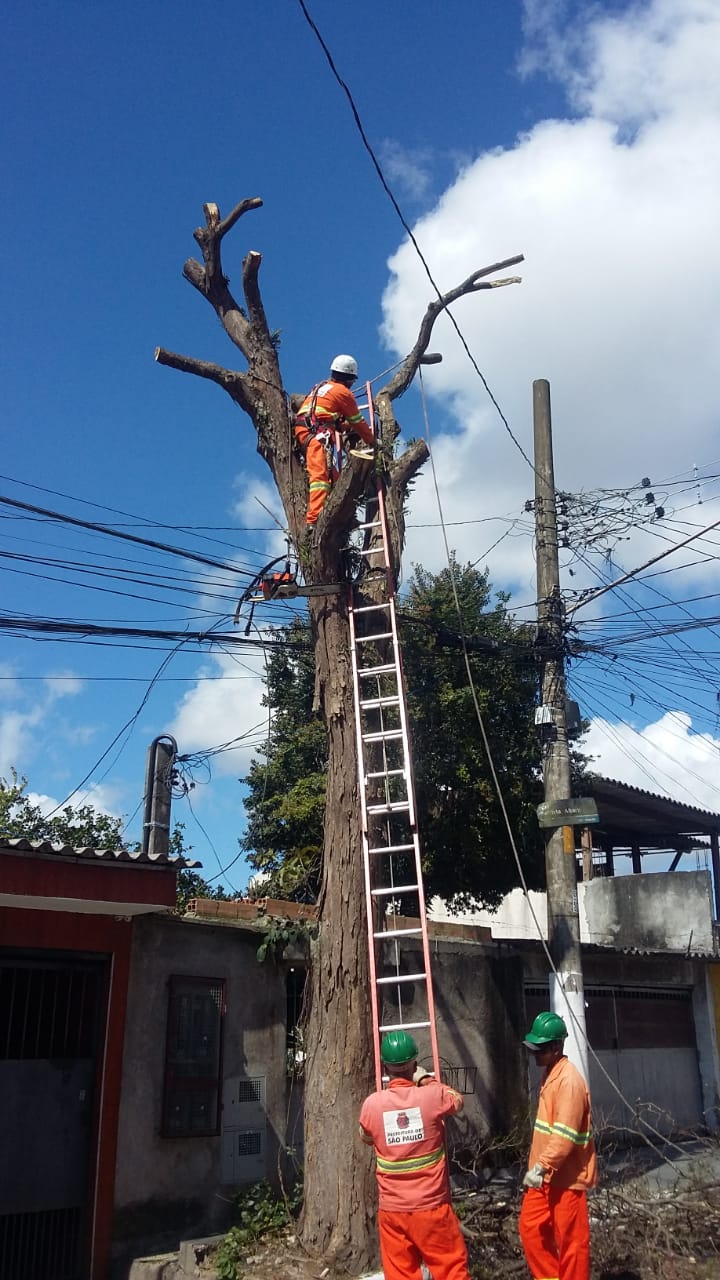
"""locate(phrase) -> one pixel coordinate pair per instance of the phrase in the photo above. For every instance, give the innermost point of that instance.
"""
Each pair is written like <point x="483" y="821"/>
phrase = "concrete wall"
<point x="478" y="991"/>
<point x="655" y="911"/>
<point x="168" y="1189"/>
<point x="666" y="911"/>
<point x="671" y="1086"/>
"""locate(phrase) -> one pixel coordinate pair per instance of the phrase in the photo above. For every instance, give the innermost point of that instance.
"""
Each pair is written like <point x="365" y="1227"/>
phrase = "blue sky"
<point x="584" y="137"/>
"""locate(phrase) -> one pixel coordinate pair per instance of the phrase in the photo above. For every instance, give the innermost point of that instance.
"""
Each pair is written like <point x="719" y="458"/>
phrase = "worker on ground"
<point x="330" y="411"/>
<point x="406" y="1125"/>
<point x="562" y="1166"/>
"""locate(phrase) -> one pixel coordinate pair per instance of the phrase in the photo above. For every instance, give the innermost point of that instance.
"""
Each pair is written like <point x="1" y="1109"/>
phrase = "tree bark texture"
<point x="339" y="1207"/>
<point x="340" y="1196"/>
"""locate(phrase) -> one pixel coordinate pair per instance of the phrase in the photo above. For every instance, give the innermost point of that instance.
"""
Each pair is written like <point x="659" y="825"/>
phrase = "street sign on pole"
<point x="580" y="811"/>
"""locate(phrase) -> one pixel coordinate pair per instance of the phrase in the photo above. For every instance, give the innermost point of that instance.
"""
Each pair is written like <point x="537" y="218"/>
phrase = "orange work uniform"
<point x="329" y="407"/>
<point x="406" y="1125"/>
<point x="554" y="1226"/>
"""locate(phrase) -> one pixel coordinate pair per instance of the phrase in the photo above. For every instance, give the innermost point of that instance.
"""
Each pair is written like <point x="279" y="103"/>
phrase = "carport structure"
<point x="638" y="823"/>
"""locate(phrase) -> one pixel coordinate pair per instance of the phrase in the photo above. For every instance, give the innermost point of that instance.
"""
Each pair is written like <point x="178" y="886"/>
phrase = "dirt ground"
<point x="656" y="1216"/>
<point x="280" y="1257"/>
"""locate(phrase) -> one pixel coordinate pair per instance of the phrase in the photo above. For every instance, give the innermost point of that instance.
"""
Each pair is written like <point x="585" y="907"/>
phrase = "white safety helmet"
<point x="346" y="365"/>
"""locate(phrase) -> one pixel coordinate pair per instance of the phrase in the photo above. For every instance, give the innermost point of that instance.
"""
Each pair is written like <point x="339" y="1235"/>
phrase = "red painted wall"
<point x="63" y="931"/>
<point x="87" y="881"/>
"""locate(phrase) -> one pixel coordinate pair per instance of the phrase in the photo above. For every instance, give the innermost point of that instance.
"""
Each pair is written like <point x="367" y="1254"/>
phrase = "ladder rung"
<point x="370" y="524"/>
<point x="392" y="848"/>
<point x="393" y="806"/>
<point x="402" y="977"/>
<point x="383" y="670"/>
<point x="372" y="551"/>
<point x="403" y="1026"/>
<point x="386" y="773"/>
<point x="397" y="933"/>
<point x="374" y="704"/>
<point x="398" y="888"/>
<point x="387" y="735"/>
<point x="370" y="608"/>
<point x="381" y="635"/>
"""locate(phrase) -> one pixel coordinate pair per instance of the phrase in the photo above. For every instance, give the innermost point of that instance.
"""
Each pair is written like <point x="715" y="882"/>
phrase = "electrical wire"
<point x="128" y="726"/>
<point x="408" y="230"/>
<point x="580" y="1029"/>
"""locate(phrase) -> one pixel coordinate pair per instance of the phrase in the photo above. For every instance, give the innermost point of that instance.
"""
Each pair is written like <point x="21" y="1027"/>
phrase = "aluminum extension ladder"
<point x="390" y="841"/>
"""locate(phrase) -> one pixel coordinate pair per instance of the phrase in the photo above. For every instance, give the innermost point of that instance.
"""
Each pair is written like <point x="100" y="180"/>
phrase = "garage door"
<point x="644" y="1038"/>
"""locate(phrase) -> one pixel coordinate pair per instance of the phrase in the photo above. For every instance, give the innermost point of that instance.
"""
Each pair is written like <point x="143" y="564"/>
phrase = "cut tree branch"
<point x="400" y="382"/>
<point x="229" y="379"/>
<point x="251" y="289"/>
<point x="404" y="468"/>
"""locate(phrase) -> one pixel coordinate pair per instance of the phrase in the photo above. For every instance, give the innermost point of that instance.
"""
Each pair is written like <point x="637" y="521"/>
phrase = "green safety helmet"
<point x="397" y="1048"/>
<point x="546" y="1028"/>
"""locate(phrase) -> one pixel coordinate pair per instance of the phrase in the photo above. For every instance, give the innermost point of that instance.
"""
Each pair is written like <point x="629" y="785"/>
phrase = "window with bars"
<point x="193" y="1057"/>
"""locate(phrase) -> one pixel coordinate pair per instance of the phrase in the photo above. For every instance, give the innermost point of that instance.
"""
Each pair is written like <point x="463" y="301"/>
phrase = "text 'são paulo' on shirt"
<point x="405" y="1124"/>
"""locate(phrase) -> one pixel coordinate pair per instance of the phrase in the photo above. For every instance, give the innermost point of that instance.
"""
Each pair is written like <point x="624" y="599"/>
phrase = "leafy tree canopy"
<point x="466" y="848"/>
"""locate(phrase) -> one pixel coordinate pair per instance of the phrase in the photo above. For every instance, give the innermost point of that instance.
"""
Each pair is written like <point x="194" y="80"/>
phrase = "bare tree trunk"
<point x="339" y="1207"/>
<point x="340" y="1197"/>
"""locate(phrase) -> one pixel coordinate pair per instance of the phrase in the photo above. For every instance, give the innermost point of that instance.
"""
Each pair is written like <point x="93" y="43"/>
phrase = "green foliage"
<point x="286" y="803"/>
<point x="81" y="826"/>
<point x="260" y="1212"/>
<point x="467" y="852"/>
<point x="466" y="849"/>
<point x="278" y="935"/>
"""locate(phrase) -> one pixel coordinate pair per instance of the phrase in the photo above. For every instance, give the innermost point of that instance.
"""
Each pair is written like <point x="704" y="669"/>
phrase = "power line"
<point x="117" y="533"/>
<point x="408" y="230"/>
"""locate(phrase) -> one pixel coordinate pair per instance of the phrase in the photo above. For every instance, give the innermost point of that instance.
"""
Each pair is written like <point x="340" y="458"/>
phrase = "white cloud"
<point x="216" y="711"/>
<point x="8" y="684"/>
<point x="407" y="169"/>
<point x="23" y="725"/>
<point x="103" y="798"/>
<point x="63" y="685"/>
<point x="16" y="737"/>
<point x="258" y="506"/>
<point x="616" y="213"/>
<point x="666" y="757"/>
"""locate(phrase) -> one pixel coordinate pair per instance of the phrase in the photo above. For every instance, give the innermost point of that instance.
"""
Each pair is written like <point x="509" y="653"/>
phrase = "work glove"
<point x="421" y="1074"/>
<point x="534" y="1177"/>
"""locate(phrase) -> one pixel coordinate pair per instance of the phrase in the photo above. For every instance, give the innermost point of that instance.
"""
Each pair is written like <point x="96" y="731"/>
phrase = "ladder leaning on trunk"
<point x="390" y="840"/>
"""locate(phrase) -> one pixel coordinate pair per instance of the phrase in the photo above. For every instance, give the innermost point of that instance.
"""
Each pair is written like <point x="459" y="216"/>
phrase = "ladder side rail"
<point x="422" y="912"/>
<point x="402" y="713"/>
<point x="359" y="744"/>
<point x="372" y="963"/>
<point x="382" y="512"/>
<point x="369" y="903"/>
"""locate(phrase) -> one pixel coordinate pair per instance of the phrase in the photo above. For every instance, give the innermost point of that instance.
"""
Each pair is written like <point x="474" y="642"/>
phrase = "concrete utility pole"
<point x="566" y="990"/>
<point x="158" y="791"/>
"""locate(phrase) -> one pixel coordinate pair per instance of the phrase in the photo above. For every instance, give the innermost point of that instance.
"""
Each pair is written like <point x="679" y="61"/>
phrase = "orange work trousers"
<point x="432" y="1236"/>
<point x="321" y="479"/>
<point x="555" y="1233"/>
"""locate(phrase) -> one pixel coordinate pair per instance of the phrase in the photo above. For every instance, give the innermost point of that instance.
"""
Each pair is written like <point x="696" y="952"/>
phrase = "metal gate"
<point x="50" y="1018"/>
<point x="644" y="1038"/>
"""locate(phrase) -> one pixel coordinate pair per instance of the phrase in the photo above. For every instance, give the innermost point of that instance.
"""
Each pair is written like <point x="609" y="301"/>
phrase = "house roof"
<point x="41" y="848"/>
<point x="629" y="815"/>
<point x="41" y="876"/>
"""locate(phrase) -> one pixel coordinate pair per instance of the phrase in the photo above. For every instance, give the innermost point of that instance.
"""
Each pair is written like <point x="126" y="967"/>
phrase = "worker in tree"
<point x="562" y="1166"/>
<point x="328" y="417"/>
<point x="406" y="1125"/>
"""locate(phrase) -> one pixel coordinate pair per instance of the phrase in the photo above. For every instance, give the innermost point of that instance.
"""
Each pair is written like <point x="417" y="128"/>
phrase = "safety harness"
<point x="328" y="435"/>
